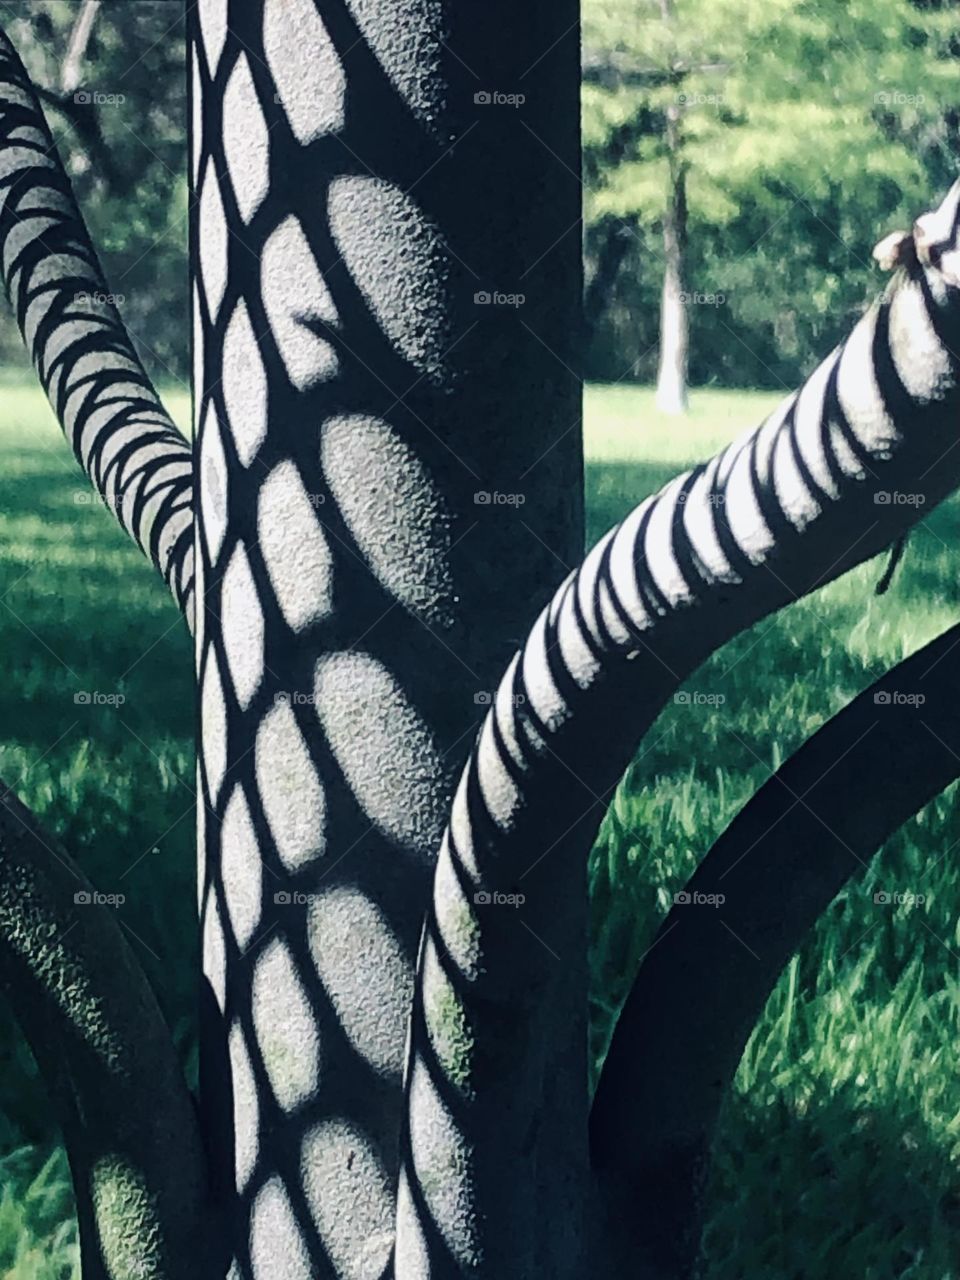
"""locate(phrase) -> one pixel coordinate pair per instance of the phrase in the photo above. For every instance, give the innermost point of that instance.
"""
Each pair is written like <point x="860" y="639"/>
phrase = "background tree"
<point x="112" y="76"/>
<point x="795" y="127"/>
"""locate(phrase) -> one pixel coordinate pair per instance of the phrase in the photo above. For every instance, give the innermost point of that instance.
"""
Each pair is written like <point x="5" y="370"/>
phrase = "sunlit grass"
<point x="839" y="1150"/>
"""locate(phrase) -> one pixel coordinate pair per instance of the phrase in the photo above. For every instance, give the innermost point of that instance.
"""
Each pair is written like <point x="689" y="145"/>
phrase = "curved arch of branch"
<point x="122" y="436"/>
<point x="704" y="982"/>
<point x="108" y="1061"/>
<point x="837" y="473"/>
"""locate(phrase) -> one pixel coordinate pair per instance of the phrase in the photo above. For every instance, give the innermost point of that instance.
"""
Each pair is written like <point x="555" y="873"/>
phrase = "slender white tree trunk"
<point x="671" y="395"/>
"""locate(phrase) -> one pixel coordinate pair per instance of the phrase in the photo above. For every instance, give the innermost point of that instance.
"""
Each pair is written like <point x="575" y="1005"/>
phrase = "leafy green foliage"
<point x="809" y="131"/>
<point x="82" y="612"/>
<point x="132" y="184"/>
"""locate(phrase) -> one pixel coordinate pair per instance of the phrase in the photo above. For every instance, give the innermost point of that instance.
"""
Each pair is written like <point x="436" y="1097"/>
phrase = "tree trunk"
<point x="671" y="395"/>
<point x="389" y="477"/>
<point x="837" y="473"/>
<point x="106" y="1056"/>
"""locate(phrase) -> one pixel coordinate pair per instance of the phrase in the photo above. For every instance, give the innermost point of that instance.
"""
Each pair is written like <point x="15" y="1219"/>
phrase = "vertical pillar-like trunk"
<point x="674" y="328"/>
<point x="386" y="244"/>
<point x="674" y="325"/>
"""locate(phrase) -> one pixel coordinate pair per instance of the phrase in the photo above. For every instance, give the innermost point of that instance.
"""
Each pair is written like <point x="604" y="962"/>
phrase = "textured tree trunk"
<point x="389" y="462"/>
<point x="107" y="1059"/>
<point x="674" y="324"/>
<point x="837" y="473"/>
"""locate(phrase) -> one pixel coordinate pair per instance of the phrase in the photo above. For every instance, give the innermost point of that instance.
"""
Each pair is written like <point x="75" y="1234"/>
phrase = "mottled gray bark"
<point x="389" y="478"/>
<point x="836" y="474"/>
<point x="107" y="1058"/>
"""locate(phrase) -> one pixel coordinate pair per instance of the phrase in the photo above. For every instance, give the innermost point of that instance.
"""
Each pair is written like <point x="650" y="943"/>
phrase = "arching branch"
<point x="835" y="475"/>
<point x="704" y="981"/>
<point x="101" y="1044"/>
<point x="112" y="417"/>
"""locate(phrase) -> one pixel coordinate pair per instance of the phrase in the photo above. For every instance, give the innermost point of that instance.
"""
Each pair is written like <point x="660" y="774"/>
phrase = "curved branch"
<point x="119" y="431"/>
<point x="108" y="1061"/>
<point x="835" y="475"/>
<point x="708" y="974"/>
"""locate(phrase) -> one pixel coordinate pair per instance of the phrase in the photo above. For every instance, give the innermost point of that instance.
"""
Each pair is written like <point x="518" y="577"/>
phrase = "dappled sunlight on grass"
<point x="846" y="1103"/>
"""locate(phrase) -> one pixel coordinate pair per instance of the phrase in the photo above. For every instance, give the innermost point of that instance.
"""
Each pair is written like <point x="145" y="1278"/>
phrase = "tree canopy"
<point x="807" y="132"/>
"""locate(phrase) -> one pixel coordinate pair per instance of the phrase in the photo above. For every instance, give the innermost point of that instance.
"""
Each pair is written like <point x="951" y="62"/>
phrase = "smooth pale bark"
<point x="389" y="476"/>
<point x="679" y="1039"/>
<point x="671" y="395"/>
<point x="136" y="459"/>
<point x="835" y="475"/>
<point x="71" y="72"/>
<point x="107" y="1058"/>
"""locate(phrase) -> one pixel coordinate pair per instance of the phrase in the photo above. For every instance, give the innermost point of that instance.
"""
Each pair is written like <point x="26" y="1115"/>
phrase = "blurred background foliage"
<point x="807" y="130"/>
<point x="116" y="100"/>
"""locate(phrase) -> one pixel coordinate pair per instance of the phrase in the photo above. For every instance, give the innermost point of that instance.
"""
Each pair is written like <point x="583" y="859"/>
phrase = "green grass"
<point x="839" y="1148"/>
<point x="839" y="1152"/>
<point x="80" y="610"/>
